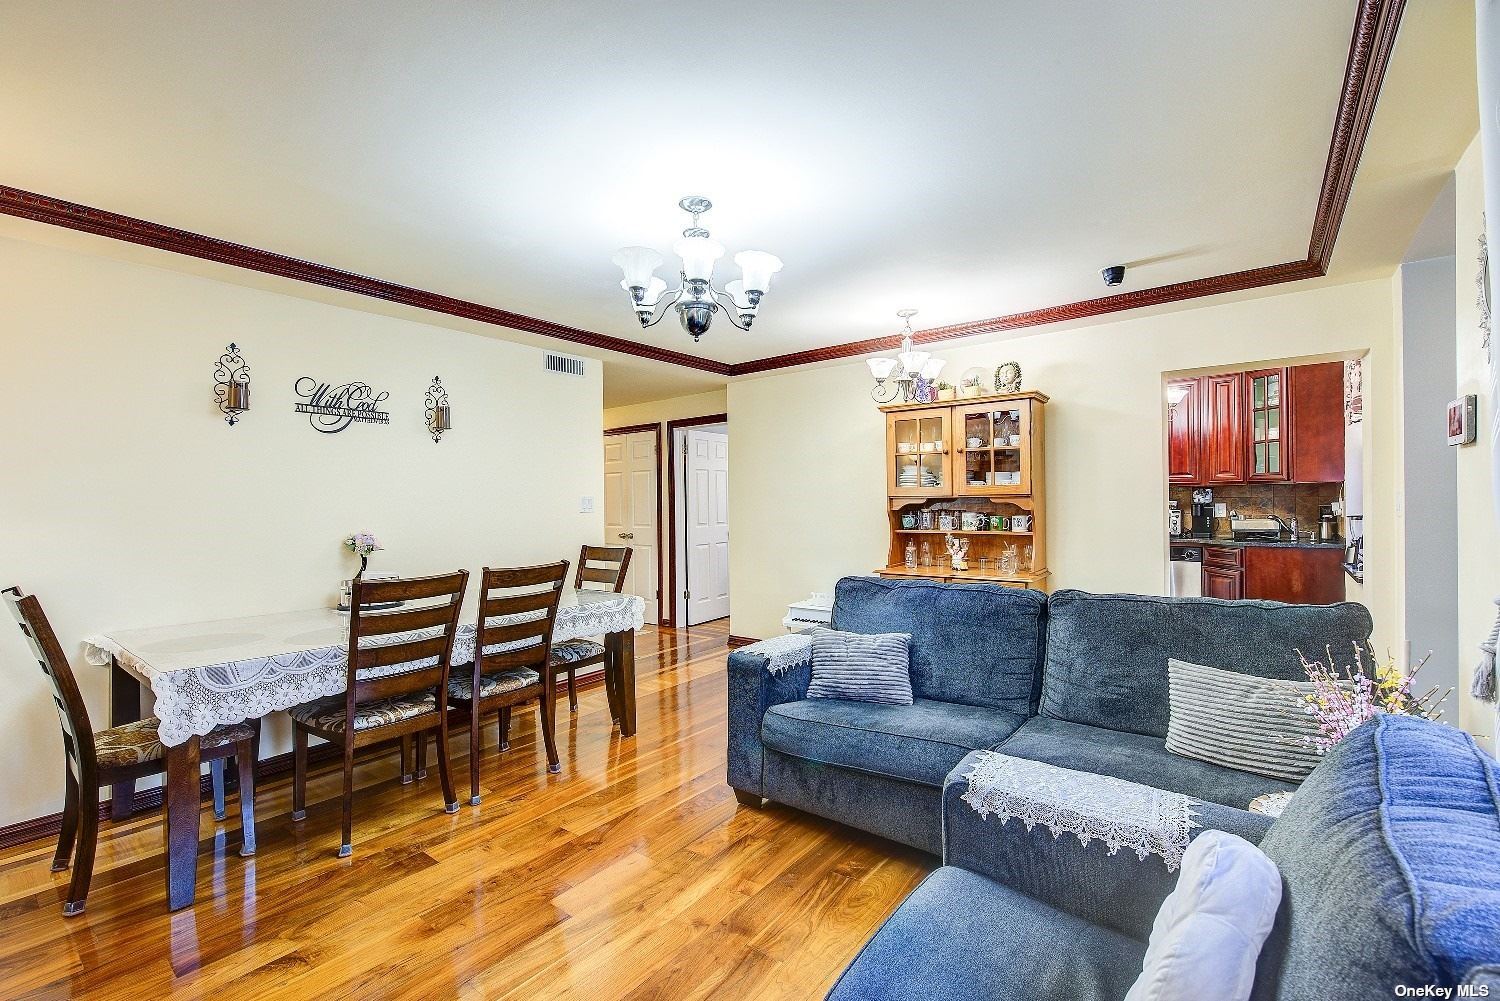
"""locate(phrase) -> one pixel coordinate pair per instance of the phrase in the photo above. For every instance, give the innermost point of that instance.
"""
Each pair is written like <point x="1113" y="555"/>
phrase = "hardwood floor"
<point x="633" y="874"/>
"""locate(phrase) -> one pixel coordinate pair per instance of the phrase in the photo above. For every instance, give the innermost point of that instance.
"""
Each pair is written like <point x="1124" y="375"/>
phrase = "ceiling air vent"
<point x="564" y="365"/>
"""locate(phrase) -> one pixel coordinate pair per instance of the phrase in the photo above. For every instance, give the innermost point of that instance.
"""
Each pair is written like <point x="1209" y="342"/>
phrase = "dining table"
<point x="208" y="674"/>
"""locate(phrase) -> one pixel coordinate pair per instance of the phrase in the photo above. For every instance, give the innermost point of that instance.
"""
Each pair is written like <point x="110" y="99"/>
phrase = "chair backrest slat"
<point x="519" y="621"/>
<point x="409" y="651"/>
<point x="407" y="620"/>
<point x="607" y="565"/>
<point x="520" y="603"/>
<point x="72" y="713"/>
<point x="430" y="651"/>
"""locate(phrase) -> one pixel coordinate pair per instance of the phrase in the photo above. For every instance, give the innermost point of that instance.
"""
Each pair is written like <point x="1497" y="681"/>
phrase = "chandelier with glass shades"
<point x="696" y="299"/>
<point x="911" y="375"/>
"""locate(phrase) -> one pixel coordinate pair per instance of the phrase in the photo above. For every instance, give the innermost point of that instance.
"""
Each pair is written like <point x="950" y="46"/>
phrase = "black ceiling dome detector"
<point x="1113" y="275"/>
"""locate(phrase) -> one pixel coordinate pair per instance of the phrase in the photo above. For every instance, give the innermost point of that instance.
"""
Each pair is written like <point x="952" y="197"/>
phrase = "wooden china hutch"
<point x="975" y="464"/>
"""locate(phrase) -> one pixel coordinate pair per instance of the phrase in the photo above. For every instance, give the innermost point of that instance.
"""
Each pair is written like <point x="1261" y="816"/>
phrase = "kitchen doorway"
<point x="698" y="554"/>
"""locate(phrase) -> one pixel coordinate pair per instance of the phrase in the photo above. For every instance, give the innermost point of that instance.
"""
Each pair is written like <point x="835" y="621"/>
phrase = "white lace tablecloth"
<point x="211" y="673"/>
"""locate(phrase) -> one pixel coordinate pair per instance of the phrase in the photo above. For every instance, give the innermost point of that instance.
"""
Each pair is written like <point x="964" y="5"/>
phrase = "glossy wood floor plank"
<point x="633" y="874"/>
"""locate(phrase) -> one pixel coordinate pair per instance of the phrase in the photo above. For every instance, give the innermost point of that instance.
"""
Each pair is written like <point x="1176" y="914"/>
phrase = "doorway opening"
<point x="632" y="507"/>
<point x="698" y="546"/>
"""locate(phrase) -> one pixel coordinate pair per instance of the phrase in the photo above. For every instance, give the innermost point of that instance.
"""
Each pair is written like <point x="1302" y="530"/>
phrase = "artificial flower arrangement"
<point x="362" y="544"/>
<point x="1343" y="699"/>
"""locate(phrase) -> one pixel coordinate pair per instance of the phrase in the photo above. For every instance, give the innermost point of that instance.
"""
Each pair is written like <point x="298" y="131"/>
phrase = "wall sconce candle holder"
<point x="439" y="416"/>
<point x="232" y="385"/>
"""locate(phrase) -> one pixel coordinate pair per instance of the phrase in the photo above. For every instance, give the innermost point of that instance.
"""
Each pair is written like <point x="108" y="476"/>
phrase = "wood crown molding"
<point x="100" y="222"/>
<point x="1374" y="36"/>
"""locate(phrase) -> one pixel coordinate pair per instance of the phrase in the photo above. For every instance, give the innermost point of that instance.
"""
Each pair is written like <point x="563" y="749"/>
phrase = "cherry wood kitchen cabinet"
<point x="1300" y="576"/>
<point x="1223" y="572"/>
<point x="1268" y="439"/>
<point x="1316" y="395"/>
<point x="1222" y="452"/>
<point x="1270" y="425"/>
<point x="1184" y="432"/>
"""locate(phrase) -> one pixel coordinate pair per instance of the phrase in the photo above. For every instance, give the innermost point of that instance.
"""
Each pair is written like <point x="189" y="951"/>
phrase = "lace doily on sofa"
<point x="1092" y="807"/>
<point x="194" y="701"/>
<point x="783" y="652"/>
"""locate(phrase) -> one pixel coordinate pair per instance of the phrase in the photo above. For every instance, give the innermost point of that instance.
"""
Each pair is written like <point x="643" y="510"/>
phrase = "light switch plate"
<point x="586" y="505"/>
<point x="1221" y="510"/>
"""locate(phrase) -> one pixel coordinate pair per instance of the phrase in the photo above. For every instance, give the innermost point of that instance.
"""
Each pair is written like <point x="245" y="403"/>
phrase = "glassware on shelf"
<point x="1008" y="560"/>
<point x="1028" y="559"/>
<point x="925" y="520"/>
<point x="926" y="555"/>
<point x="911" y="555"/>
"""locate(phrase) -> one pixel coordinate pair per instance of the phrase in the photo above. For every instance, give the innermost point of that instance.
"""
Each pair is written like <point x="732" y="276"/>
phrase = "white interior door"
<point x="630" y="509"/>
<point x="707" y="526"/>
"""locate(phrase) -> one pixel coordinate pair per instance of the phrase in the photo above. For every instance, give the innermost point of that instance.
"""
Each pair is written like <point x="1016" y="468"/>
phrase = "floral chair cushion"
<point x="328" y="714"/>
<point x="573" y="651"/>
<point x="461" y="686"/>
<point x="133" y="743"/>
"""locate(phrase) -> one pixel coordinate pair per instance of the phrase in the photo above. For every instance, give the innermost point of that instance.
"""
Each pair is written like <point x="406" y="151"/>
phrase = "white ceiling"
<point x="969" y="159"/>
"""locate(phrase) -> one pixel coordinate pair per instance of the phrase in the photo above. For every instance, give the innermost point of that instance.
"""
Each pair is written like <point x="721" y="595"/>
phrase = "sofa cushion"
<point x="1136" y="758"/>
<point x="962" y="937"/>
<point x="1260" y="725"/>
<point x="1208" y="934"/>
<point x="978" y="644"/>
<point x="1106" y="654"/>
<point x="919" y="743"/>
<point x="1388" y="859"/>
<point x="865" y="667"/>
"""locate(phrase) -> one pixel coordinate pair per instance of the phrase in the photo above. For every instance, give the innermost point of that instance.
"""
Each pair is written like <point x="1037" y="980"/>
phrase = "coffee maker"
<point x="1202" y="526"/>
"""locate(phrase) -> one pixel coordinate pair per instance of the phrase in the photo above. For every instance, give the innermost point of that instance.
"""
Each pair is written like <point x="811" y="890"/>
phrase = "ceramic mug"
<point x="999" y="523"/>
<point x="908" y="521"/>
<point x="1020" y="523"/>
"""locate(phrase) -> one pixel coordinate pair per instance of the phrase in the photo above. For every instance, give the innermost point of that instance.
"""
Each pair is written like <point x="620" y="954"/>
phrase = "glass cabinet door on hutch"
<point x="917" y="442"/>
<point x="1268" y="445"/>
<point x="994" y="448"/>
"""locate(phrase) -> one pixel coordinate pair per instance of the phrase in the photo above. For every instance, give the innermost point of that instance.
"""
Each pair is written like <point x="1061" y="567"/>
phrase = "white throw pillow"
<point x="1208" y="933"/>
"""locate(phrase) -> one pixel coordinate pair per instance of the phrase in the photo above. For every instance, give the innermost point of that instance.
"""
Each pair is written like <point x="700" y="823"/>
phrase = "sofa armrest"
<point x="761" y="675"/>
<point x="1035" y="843"/>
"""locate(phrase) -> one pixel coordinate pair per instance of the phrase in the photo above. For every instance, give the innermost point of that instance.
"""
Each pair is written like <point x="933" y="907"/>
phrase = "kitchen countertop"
<point x="1265" y="543"/>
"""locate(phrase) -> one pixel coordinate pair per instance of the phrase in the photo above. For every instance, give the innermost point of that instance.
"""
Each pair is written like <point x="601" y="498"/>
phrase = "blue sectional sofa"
<point x="1390" y="863"/>
<point x="1076" y="680"/>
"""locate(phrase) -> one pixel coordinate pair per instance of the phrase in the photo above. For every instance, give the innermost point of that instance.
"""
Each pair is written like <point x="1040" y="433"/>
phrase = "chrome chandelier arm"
<point x="731" y="308"/>
<point x="659" y="311"/>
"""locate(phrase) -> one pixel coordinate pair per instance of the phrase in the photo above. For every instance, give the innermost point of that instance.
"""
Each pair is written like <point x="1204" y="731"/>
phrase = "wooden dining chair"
<point x="119" y="754"/>
<point x="512" y="643"/>
<point x="600" y="568"/>
<point x="398" y="664"/>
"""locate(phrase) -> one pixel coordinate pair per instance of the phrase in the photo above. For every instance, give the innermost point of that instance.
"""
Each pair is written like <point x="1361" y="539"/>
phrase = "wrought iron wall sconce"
<point x="439" y="416"/>
<point x="232" y="385"/>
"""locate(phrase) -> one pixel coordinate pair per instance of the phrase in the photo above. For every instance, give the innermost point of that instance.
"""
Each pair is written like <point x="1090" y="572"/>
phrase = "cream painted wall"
<point x="659" y="412"/>
<point x="1478" y="536"/>
<point x="126" y="501"/>
<point x="807" y="491"/>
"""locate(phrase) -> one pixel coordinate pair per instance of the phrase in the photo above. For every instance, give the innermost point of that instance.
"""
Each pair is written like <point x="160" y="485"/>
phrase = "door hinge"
<point x="687" y="595"/>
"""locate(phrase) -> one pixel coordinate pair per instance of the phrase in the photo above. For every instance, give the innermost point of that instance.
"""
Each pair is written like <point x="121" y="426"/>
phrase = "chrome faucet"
<point x="1288" y="529"/>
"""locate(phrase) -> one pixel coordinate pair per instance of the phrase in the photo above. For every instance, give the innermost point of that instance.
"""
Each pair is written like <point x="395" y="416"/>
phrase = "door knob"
<point x="627" y="535"/>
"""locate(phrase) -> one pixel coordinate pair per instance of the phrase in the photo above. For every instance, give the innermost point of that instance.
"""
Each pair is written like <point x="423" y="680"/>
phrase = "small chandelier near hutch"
<point x="696" y="299"/>
<point x="911" y="375"/>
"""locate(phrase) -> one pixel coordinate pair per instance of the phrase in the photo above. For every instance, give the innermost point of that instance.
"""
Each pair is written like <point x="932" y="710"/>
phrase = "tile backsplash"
<point x="1255" y="499"/>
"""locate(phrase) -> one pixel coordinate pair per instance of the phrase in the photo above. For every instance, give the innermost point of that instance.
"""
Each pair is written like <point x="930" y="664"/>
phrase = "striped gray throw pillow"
<point x="1240" y="721"/>
<point x="865" y="667"/>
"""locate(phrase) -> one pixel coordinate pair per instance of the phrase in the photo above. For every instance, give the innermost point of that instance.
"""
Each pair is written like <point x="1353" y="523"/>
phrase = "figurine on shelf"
<point x="958" y="549"/>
